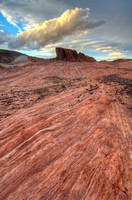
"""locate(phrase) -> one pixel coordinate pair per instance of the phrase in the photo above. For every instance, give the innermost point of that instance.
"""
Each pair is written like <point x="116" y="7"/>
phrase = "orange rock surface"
<point x="65" y="131"/>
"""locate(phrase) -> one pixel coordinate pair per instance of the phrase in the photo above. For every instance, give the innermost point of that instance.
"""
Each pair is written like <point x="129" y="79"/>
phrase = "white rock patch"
<point x="21" y="59"/>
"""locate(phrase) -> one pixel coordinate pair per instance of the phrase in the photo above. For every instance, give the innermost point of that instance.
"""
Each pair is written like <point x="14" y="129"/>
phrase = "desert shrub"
<point x="63" y="86"/>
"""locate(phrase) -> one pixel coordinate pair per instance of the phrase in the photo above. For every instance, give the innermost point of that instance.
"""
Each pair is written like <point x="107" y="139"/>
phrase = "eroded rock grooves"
<point x="65" y="131"/>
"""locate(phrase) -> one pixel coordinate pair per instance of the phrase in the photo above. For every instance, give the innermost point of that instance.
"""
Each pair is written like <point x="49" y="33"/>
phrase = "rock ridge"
<point x="72" y="55"/>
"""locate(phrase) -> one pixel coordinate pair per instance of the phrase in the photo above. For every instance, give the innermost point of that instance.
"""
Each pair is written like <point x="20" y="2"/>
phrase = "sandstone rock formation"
<point x="72" y="56"/>
<point x="65" y="131"/>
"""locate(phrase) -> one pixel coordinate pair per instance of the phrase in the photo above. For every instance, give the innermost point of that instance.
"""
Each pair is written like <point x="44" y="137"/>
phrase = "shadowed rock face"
<point x="8" y="56"/>
<point x="65" y="131"/>
<point x="72" y="55"/>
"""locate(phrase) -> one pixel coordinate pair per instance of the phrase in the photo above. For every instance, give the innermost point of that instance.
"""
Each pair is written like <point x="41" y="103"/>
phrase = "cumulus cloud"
<point x="71" y="22"/>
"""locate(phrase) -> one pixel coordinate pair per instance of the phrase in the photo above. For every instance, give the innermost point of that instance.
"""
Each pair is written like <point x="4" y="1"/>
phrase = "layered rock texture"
<point x="65" y="131"/>
<point x="72" y="56"/>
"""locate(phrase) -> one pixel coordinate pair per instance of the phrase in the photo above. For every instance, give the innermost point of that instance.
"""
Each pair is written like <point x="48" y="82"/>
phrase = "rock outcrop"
<point x="72" y="55"/>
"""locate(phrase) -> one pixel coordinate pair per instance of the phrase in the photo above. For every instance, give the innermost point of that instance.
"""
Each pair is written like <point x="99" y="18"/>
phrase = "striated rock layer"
<point x="72" y="56"/>
<point x="65" y="131"/>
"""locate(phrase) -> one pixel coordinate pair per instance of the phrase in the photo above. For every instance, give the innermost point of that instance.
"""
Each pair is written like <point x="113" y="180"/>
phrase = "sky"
<point x="98" y="28"/>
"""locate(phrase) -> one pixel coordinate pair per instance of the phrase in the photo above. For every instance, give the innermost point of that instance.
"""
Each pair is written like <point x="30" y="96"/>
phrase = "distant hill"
<point x="7" y="56"/>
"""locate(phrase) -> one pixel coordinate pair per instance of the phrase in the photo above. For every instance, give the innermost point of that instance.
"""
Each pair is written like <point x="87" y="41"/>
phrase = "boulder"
<point x="72" y="55"/>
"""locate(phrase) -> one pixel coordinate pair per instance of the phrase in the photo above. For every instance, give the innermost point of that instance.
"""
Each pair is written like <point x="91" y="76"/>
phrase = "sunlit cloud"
<point x="118" y="54"/>
<point x="66" y="44"/>
<point x="91" y="43"/>
<point x="71" y="22"/>
<point x="107" y="48"/>
<point x="79" y="41"/>
<point x="105" y="51"/>
<point x="56" y="45"/>
<point x="115" y="56"/>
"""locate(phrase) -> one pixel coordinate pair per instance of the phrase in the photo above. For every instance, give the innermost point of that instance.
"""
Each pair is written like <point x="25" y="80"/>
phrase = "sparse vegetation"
<point x="63" y="86"/>
<point x="117" y="79"/>
<point x="56" y="90"/>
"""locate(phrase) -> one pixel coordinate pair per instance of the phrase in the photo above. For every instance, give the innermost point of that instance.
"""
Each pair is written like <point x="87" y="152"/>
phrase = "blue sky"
<point x="98" y="28"/>
<point x="8" y="27"/>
